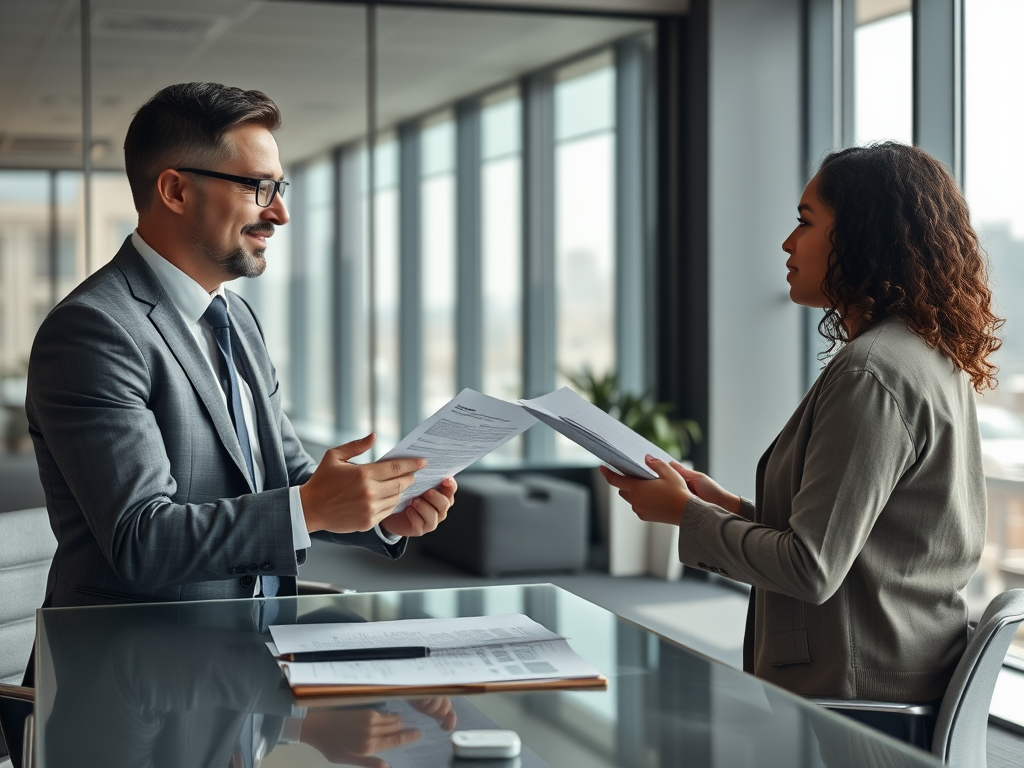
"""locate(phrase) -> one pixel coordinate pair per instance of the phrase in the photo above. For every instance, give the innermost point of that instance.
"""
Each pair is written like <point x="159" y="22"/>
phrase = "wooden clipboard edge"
<point x="378" y="692"/>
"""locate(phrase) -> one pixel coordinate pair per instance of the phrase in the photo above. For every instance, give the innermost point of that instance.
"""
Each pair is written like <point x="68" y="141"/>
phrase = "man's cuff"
<point x="387" y="538"/>
<point x="300" y="536"/>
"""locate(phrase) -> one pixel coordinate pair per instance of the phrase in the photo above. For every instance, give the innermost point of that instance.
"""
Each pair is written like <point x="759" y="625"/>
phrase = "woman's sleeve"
<point x="859" y="448"/>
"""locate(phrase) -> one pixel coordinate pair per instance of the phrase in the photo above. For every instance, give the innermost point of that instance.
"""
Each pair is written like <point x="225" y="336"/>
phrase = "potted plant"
<point x="634" y="546"/>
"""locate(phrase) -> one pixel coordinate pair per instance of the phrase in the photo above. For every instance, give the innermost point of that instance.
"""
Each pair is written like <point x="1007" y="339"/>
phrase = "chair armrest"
<point x="18" y="693"/>
<point x="303" y="587"/>
<point x="28" y="757"/>
<point x="16" y="706"/>
<point x="864" y="705"/>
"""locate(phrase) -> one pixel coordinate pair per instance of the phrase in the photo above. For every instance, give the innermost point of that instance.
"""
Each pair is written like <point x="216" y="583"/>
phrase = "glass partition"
<point x="462" y="95"/>
<point x="448" y="200"/>
<point x="317" y="78"/>
<point x="42" y="225"/>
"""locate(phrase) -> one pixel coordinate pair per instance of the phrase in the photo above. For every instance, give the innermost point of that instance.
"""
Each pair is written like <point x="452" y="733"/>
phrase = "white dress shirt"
<point x="192" y="300"/>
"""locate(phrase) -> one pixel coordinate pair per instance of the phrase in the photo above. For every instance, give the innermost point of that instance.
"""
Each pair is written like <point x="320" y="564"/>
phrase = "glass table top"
<point x="193" y="684"/>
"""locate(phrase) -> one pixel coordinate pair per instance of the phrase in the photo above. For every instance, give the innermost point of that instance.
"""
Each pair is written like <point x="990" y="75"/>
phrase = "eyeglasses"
<point x="266" y="189"/>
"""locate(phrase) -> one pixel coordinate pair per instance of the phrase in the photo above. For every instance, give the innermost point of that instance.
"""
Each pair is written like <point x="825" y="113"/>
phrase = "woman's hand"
<point x="706" y="489"/>
<point x="656" y="501"/>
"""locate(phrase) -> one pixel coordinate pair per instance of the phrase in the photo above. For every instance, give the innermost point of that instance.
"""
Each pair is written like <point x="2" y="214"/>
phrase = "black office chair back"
<point x="961" y="730"/>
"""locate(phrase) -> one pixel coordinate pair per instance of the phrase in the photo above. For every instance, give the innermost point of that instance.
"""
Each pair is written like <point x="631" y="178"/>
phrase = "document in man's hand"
<point x="591" y="428"/>
<point x="477" y="653"/>
<point x="468" y="427"/>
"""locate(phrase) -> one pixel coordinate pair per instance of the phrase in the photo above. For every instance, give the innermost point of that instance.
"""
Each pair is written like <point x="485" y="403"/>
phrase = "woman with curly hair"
<point x="870" y="508"/>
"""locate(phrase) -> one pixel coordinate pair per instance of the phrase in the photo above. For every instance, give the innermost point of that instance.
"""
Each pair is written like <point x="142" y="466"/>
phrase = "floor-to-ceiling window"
<point x="386" y="363"/>
<point x="437" y="232"/>
<point x="318" y="197"/>
<point x="994" y="164"/>
<point x="585" y="220"/>
<point x="883" y="72"/>
<point x="501" y="252"/>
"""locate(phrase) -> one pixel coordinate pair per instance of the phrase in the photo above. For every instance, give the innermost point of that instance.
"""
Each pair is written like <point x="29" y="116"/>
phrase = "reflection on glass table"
<point x="194" y="684"/>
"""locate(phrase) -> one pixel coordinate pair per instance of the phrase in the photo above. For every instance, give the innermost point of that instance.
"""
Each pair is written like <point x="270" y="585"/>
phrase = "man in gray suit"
<point x="170" y="470"/>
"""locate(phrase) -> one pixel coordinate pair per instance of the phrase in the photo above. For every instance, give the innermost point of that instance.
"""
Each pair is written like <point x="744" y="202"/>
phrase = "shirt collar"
<point x="188" y="296"/>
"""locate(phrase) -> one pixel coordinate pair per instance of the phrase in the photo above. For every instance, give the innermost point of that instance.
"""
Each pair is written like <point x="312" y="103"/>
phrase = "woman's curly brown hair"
<point x="903" y="244"/>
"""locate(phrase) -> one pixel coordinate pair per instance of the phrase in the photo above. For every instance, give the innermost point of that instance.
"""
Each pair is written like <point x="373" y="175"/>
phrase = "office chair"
<point x="961" y="729"/>
<point x="26" y="549"/>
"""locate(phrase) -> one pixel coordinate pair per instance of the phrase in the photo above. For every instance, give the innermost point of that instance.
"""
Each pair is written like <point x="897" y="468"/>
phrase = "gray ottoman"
<point x="513" y="524"/>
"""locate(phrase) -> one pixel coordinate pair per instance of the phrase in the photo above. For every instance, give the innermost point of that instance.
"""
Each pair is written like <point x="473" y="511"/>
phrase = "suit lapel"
<point x="145" y="287"/>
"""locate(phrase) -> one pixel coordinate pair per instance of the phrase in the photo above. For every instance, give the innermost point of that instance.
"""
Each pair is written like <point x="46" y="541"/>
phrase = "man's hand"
<point x="658" y="500"/>
<point x="438" y="707"/>
<point x="424" y="513"/>
<point x="352" y="736"/>
<point x="342" y="498"/>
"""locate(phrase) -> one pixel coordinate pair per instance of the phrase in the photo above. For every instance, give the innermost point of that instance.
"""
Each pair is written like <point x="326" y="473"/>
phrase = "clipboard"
<point x="468" y="655"/>
<point x="378" y="692"/>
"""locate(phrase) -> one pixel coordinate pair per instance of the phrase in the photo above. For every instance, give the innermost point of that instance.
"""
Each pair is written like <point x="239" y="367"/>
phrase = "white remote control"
<point x="486" y="743"/>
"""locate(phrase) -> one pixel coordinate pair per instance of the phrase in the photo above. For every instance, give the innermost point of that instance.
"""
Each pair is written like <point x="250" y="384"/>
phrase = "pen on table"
<point x="360" y="654"/>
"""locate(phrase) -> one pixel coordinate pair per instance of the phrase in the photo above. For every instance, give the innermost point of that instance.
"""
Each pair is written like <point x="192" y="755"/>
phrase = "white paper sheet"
<point x="469" y="427"/>
<point x="476" y="649"/>
<point x="591" y="428"/>
<point x="436" y="634"/>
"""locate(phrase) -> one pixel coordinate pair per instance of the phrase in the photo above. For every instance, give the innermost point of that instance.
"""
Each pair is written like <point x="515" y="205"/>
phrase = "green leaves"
<point x="638" y="412"/>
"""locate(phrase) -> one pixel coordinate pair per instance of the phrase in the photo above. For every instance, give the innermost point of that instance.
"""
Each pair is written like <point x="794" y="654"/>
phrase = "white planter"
<point x="624" y="534"/>
<point x="663" y="551"/>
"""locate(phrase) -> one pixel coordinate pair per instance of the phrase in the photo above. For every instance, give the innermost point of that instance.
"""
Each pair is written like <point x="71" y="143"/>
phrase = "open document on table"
<point x="591" y="428"/>
<point x="479" y="652"/>
<point x="468" y="427"/>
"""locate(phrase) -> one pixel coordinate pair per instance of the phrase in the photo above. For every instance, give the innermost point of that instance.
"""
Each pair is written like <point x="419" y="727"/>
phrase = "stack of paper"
<point x="591" y="428"/>
<point x="468" y="427"/>
<point x="484" y="653"/>
<point x="472" y="425"/>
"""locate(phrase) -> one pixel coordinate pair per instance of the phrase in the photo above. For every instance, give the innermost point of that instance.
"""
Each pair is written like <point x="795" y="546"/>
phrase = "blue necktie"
<point x="216" y="316"/>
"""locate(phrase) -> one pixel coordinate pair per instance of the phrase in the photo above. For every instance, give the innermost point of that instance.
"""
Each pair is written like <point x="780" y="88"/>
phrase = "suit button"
<point x="238" y="569"/>
<point x="254" y="568"/>
<point x="266" y="566"/>
<point x="248" y="581"/>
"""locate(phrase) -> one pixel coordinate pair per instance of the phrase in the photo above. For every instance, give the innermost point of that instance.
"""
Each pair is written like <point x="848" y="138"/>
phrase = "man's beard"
<point x="239" y="262"/>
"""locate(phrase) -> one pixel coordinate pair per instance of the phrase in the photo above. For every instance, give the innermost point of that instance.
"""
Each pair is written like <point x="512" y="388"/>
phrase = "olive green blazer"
<point x="868" y="521"/>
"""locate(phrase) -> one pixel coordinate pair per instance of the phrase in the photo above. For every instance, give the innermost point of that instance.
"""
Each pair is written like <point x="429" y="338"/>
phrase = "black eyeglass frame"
<point x="279" y="186"/>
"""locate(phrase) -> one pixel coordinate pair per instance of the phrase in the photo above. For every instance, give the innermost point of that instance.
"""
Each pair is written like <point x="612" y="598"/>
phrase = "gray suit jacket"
<point x="145" y="482"/>
<point x="869" y="520"/>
